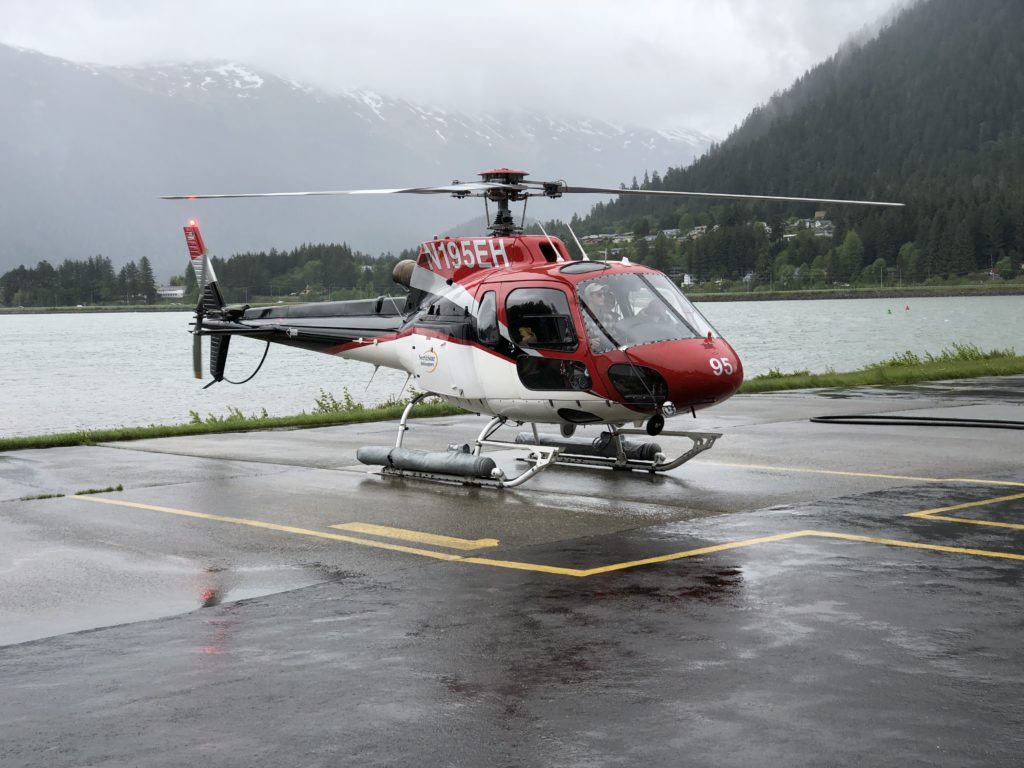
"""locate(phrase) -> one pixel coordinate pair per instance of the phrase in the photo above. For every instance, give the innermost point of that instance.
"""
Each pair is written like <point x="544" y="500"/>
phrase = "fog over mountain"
<point x="86" y="151"/>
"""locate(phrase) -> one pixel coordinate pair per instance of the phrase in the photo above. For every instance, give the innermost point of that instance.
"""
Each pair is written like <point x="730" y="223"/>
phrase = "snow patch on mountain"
<point x="93" y="141"/>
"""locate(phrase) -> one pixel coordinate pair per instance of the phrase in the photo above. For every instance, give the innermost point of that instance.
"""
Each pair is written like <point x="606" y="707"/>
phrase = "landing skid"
<point x="463" y="465"/>
<point x="613" y="450"/>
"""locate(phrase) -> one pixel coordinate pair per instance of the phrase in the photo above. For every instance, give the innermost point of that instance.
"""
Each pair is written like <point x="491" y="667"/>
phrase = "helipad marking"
<point x="917" y="545"/>
<point x="576" y="572"/>
<point x="403" y="534"/>
<point x="270" y="526"/>
<point x="332" y="536"/>
<point x="842" y="473"/>
<point x="933" y="514"/>
<point x="797" y="535"/>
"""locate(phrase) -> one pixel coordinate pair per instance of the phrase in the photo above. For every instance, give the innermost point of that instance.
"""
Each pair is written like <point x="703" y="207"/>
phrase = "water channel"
<point x="66" y="372"/>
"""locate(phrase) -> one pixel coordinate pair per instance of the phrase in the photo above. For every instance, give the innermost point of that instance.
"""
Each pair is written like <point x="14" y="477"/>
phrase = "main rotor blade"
<point x="529" y="189"/>
<point x="719" y="195"/>
<point x="467" y="188"/>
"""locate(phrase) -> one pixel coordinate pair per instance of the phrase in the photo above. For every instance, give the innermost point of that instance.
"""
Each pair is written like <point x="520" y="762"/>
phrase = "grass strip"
<point x="964" y="361"/>
<point x="235" y="423"/>
<point x="109" y="489"/>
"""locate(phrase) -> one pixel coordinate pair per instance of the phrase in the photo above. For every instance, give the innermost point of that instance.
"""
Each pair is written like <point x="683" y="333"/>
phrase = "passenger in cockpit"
<point x="527" y="338"/>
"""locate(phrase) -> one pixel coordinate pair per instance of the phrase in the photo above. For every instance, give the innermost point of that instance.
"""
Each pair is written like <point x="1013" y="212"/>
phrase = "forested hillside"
<point x="92" y="281"/>
<point x="308" y="273"/>
<point x="929" y="113"/>
<point x="313" y="272"/>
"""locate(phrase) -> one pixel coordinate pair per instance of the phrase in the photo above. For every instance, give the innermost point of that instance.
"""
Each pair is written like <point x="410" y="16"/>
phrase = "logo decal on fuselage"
<point x="428" y="361"/>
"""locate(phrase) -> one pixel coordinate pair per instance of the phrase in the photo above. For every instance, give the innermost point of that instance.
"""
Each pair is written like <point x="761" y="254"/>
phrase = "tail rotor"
<point x="210" y="298"/>
<point x="197" y="347"/>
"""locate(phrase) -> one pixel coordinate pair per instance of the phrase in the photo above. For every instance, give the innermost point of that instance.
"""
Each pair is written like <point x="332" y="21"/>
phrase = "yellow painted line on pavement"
<point x="403" y="534"/>
<point x="332" y="536"/>
<point x="928" y="514"/>
<point x="875" y="475"/>
<point x="269" y="526"/>
<point x="693" y="553"/>
<point x="935" y="514"/>
<point x="575" y="572"/>
<point x="916" y="545"/>
<point x="797" y="535"/>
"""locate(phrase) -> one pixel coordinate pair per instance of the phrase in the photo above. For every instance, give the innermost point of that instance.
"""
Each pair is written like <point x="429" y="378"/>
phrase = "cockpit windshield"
<point x="637" y="308"/>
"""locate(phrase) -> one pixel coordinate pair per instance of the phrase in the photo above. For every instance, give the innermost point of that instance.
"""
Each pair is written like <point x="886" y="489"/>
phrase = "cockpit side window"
<point x="540" y="318"/>
<point x="487" y="320"/>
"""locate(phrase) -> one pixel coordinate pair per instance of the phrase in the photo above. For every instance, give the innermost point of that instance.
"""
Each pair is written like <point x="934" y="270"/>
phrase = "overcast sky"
<point x="660" y="63"/>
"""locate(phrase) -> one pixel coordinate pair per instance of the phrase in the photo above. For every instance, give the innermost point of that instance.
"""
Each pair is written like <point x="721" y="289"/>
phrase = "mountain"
<point x="85" y="151"/>
<point x="929" y="112"/>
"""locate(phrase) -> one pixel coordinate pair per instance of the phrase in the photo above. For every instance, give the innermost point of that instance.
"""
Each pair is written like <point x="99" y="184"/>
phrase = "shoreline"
<point x="878" y="375"/>
<point x="76" y="310"/>
<point x="909" y="292"/>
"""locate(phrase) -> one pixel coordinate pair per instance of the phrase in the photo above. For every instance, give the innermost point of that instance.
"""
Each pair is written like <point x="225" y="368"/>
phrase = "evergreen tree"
<point x="128" y="283"/>
<point x="660" y="253"/>
<point x="849" y="257"/>
<point x="147" y="283"/>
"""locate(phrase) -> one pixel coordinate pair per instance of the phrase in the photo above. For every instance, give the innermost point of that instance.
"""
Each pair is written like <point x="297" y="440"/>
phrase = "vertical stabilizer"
<point x="211" y="301"/>
<point x="210" y="297"/>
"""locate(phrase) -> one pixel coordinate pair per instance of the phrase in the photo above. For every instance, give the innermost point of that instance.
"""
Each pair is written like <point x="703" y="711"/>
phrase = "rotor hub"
<point x="504" y="224"/>
<point x="504" y="176"/>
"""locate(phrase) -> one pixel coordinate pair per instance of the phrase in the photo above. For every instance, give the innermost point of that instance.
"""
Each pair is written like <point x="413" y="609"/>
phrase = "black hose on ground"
<point x="920" y="421"/>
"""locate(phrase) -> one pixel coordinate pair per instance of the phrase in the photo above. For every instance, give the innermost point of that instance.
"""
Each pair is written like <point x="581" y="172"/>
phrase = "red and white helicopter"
<point x="510" y="325"/>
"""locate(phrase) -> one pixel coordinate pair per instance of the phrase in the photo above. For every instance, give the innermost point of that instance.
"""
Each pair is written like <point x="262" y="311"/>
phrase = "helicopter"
<point x="511" y="326"/>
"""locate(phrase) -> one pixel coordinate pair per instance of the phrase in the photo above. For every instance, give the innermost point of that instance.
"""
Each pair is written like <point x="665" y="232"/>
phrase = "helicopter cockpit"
<point x="635" y="308"/>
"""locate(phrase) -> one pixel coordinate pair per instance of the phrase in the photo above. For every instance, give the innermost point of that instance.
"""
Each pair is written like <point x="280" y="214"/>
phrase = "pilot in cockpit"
<point x="601" y="301"/>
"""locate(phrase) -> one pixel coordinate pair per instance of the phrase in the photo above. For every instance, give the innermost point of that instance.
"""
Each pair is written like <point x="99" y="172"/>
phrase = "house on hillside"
<point x="820" y="226"/>
<point x="171" y="292"/>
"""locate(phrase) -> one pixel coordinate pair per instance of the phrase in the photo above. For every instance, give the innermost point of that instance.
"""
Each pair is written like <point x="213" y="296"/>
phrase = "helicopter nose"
<point x="725" y="368"/>
<point x="698" y="372"/>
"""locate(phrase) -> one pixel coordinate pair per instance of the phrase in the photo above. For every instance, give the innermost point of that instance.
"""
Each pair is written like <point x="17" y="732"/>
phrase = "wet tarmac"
<point x="801" y="595"/>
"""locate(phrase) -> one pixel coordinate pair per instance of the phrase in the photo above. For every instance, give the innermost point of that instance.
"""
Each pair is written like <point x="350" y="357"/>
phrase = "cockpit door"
<point x="549" y="348"/>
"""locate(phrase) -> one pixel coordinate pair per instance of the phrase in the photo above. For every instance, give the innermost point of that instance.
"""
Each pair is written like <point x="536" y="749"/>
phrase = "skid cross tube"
<point x="618" y="457"/>
<point x="702" y="441"/>
<point x="539" y="456"/>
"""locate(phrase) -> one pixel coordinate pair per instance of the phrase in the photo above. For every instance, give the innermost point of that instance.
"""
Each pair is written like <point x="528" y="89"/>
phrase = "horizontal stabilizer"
<point x="218" y="355"/>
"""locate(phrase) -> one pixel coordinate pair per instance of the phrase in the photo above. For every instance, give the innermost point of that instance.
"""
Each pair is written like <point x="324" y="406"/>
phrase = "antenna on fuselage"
<point x="558" y="255"/>
<point x="578" y="243"/>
